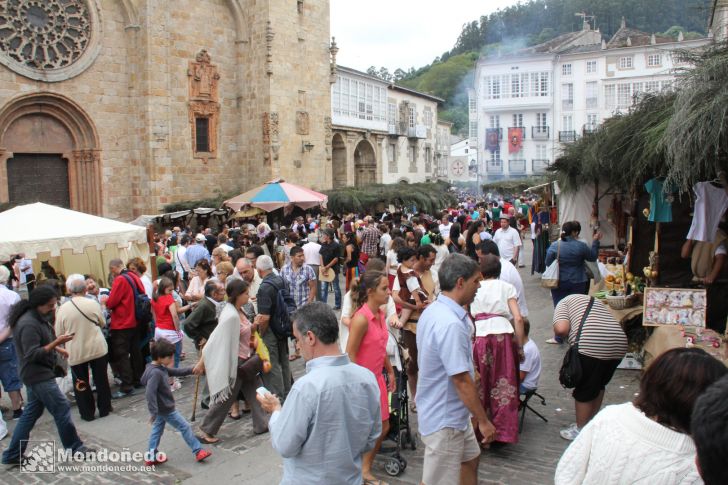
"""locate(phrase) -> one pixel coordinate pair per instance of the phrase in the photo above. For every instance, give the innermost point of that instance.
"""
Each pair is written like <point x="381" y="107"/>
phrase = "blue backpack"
<point x="142" y="304"/>
<point x="280" y="321"/>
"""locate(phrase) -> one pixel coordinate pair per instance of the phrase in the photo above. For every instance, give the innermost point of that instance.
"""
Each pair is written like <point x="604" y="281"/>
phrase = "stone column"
<point x="4" y="192"/>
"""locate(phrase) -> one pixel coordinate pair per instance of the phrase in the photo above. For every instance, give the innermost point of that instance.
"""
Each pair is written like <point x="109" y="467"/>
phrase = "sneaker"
<point x="553" y="340"/>
<point x="570" y="433"/>
<point x="86" y="452"/>
<point x="159" y="461"/>
<point x="202" y="455"/>
<point x="17" y="413"/>
<point x="176" y="384"/>
<point x="122" y="394"/>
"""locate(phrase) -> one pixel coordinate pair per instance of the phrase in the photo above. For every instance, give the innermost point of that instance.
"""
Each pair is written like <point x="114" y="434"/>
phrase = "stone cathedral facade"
<point x="118" y="107"/>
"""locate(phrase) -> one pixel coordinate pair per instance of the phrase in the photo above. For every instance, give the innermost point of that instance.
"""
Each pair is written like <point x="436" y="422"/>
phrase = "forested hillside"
<point x="533" y="22"/>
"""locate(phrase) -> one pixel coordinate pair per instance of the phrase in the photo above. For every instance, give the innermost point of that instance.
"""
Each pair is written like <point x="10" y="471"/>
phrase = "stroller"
<point x="399" y="428"/>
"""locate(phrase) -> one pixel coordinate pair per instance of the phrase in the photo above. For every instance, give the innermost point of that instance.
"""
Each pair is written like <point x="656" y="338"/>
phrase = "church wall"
<point x="102" y="91"/>
<point x="273" y="93"/>
<point x="300" y="90"/>
<point x="173" y="37"/>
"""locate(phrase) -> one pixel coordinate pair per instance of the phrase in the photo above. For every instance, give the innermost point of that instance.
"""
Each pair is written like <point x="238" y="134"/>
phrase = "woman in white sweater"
<point x="647" y="441"/>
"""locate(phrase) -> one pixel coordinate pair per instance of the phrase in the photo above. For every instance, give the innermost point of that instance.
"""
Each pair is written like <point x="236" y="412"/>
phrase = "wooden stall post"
<point x="152" y="251"/>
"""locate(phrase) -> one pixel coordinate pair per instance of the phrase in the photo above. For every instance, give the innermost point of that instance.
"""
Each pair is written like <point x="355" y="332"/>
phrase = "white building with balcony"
<point x="381" y="132"/>
<point x="525" y="105"/>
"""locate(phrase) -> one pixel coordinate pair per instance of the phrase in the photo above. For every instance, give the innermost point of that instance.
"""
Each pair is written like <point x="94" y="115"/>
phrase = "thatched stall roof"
<point x="696" y="138"/>
<point x="427" y="197"/>
<point x="624" y="149"/>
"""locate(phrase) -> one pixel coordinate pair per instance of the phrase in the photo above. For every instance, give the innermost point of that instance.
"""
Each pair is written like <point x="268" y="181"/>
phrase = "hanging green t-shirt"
<point x="660" y="202"/>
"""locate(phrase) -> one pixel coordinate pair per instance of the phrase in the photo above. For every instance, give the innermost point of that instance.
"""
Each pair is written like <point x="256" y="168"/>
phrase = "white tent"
<point x="577" y="206"/>
<point x="72" y="241"/>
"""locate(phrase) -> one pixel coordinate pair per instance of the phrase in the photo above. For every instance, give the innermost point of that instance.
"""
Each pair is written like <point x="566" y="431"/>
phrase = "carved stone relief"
<point x="302" y="123"/>
<point x="204" y="102"/>
<point x="328" y="134"/>
<point x="269" y="36"/>
<point x="271" y="145"/>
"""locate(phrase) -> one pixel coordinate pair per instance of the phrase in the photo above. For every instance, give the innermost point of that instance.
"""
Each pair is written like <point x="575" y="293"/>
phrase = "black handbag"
<point x="570" y="374"/>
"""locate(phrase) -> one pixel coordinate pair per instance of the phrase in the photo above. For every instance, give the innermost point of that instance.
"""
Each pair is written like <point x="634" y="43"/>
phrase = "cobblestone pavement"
<point x="243" y="457"/>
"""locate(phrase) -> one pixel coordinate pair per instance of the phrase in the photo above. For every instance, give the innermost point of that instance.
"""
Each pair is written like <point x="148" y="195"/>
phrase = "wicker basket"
<point x="621" y="302"/>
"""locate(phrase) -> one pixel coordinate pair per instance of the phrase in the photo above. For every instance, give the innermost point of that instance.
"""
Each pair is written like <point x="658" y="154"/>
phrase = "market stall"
<point x="70" y="241"/>
<point x="664" y="162"/>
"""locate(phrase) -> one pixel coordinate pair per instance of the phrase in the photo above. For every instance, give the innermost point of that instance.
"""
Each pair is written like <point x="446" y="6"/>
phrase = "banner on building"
<point x="515" y="140"/>
<point x="492" y="141"/>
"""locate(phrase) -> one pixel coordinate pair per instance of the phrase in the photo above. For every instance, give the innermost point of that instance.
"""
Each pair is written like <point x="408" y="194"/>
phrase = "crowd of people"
<point x="255" y="297"/>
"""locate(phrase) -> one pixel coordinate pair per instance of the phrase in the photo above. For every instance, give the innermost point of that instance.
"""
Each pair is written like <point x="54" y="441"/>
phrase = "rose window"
<point x="43" y="36"/>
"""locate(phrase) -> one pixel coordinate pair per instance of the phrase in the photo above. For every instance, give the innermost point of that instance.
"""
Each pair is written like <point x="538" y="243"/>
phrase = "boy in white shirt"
<point x="531" y="365"/>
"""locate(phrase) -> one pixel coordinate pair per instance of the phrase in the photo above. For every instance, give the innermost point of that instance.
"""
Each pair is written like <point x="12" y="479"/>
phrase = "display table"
<point x="662" y="340"/>
<point x="665" y="338"/>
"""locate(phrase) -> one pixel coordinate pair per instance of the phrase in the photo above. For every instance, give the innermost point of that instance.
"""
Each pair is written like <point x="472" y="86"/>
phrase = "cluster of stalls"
<point x="653" y="181"/>
<point x="60" y="241"/>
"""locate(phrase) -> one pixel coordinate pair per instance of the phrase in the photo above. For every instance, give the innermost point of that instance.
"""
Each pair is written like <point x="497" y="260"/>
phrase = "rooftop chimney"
<point x="653" y="41"/>
<point x="624" y="23"/>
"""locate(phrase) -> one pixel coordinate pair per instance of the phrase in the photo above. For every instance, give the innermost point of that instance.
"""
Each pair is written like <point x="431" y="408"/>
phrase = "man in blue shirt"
<point x="332" y="415"/>
<point x="446" y="392"/>
<point x="197" y="251"/>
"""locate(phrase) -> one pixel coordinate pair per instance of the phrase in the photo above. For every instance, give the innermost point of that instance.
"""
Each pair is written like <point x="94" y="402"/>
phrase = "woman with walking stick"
<point x="230" y="365"/>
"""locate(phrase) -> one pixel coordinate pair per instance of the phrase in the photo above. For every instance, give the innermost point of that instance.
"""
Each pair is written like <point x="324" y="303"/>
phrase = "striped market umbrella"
<point x="276" y="194"/>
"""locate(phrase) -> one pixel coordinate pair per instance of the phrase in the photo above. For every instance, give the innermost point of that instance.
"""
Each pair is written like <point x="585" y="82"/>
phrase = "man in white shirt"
<point x="508" y="240"/>
<point x="222" y="242"/>
<point x="25" y="272"/>
<point x="311" y="257"/>
<point x="445" y="227"/>
<point x="384" y="240"/>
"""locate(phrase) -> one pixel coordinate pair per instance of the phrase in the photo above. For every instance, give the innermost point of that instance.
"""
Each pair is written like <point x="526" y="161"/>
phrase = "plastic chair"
<point x="523" y="406"/>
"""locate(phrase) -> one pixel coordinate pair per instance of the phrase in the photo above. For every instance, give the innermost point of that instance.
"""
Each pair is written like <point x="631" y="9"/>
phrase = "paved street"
<point x="245" y="458"/>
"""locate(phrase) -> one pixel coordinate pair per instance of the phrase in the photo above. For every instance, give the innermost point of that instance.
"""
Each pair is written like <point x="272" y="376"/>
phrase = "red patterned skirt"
<point x="496" y="359"/>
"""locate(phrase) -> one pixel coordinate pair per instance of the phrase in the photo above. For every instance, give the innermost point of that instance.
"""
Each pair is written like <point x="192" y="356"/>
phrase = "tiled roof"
<point x="626" y="37"/>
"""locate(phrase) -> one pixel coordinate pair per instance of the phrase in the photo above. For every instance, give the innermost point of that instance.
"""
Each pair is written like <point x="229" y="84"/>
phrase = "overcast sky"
<point x="401" y="33"/>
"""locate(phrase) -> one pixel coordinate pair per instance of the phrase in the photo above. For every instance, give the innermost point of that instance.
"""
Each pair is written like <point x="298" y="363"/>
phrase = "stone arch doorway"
<point x="49" y="152"/>
<point x="338" y="160"/>
<point x="365" y="164"/>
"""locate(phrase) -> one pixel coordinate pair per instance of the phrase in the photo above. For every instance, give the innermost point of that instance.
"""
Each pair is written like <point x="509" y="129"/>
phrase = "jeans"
<point x="337" y="291"/>
<point x="566" y="288"/>
<point x="178" y="422"/>
<point x="43" y="395"/>
<point x="177" y="353"/>
<point x="9" y="366"/>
